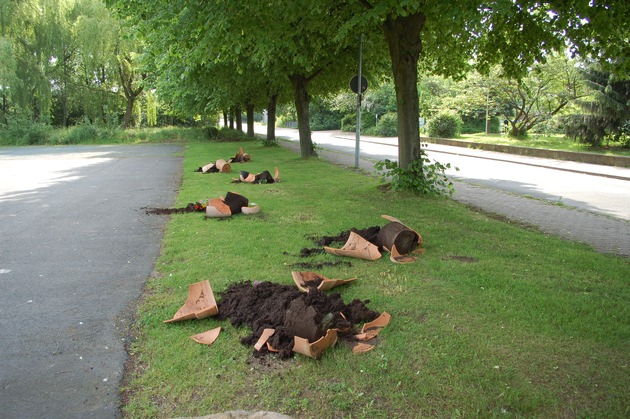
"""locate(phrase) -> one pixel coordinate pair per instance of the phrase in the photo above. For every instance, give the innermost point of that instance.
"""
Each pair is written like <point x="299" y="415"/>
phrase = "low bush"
<point x="22" y="131"/>
<point x="446" y="124"/>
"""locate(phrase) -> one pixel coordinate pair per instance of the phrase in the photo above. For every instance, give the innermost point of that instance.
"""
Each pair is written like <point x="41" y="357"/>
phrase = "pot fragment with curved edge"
<point x="317" y="348"/>
<point x="367" y="338"/>
<point x="305" y="280"/>
<point x="207" y="337"/>
<point x="357" y="247"/>
<point x="200" y="303"/>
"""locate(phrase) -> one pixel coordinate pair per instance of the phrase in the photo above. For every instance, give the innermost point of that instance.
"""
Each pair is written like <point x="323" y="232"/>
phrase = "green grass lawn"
<point x="494" y="320"/>
<point x="551" y="142"/>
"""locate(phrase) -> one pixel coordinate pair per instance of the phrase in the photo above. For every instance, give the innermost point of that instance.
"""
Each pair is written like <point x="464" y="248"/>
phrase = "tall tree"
<point x="447" y="38"/>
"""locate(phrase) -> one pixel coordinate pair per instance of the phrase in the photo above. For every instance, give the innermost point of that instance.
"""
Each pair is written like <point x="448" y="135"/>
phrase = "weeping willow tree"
<point x="605" y="113"/>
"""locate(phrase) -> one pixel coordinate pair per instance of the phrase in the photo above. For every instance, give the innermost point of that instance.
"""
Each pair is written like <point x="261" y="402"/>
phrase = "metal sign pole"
<point x="357" y="148"/>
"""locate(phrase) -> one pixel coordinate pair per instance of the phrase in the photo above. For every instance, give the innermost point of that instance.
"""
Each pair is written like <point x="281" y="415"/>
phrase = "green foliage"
<point x="387" y="126"/>
<point x="446" y="124"/>
<point x="211" y="132"/>
<point x="349" y="122"/>
<point x="84" y="133"/>
<point x="230" y="134"/>
<point x="421" y="176"/>
<point x="604" y="113"/>
<point x="323" y="118"/>
<point x="21" y="131"/>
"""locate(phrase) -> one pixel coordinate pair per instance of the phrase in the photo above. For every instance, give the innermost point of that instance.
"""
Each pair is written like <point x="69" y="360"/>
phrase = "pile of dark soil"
<point x="290" y="312"/>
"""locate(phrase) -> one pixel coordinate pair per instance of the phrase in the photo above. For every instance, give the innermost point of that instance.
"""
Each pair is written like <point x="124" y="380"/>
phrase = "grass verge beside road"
<point x="494" y="320"/>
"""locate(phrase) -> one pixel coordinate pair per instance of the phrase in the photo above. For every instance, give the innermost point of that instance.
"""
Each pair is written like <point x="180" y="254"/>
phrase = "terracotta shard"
<point x="208" y="337"/>
<point x="361" y="347"/>
<point x="208" y="167"/>
<point x="315" y="349"/>
<point x="396" y="257"/>
<point x="255" y="209"/>
<point x="357" y="247"/>
<point x="372" y="329"/>
<point x="264" y="337"/>
<point x="305" y="280"/>
<point x="199" y="304"/>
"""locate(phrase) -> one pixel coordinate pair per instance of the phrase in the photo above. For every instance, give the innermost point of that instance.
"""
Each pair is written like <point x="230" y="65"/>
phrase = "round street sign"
<point x="354" y="85"/>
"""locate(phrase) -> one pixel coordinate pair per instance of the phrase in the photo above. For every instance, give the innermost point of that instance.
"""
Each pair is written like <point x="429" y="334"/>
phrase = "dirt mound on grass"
<point x="265" y="305"/>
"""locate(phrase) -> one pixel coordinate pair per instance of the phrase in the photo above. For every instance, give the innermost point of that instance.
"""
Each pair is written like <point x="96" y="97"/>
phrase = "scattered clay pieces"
<point x="233" y="203"/>
<point x="199" y="304"/>
<point x="260" y="178"/>
<point x="208" y="337"/>
<point x="305" y="280"/>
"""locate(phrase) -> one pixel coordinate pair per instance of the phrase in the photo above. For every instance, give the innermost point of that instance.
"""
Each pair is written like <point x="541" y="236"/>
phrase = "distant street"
<point x="599" y="189"/>
<point x="75" y="251"/>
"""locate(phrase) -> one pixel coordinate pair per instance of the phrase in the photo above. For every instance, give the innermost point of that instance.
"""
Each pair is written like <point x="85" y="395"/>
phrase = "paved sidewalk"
<point x="604" y="233"/>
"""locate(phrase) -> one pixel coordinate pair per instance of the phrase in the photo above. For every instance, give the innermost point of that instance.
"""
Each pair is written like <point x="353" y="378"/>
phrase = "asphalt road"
<point x="75" y="251"/>
<point x="594" y="188"/>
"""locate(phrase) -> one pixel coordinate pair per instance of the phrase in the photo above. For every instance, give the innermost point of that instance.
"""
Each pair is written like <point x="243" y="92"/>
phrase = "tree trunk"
<point x="250" y="120"/>
<point x="239" y="118"/>
<point x="271" y="118"/>
<point x="403" y="39"/>
<point x="225" y="118"/>
<point x="128" y="111"/>
<point x="231" y="117"/>
<point x="300" y="89"/>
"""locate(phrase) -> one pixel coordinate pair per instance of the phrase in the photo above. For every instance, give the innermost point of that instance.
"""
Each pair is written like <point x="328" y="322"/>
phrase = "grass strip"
<point x="494" y="320"/>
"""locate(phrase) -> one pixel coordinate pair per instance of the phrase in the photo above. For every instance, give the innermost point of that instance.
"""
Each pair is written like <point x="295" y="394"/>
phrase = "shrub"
<point x="421" y="176"/>
<point x="229" y="134"/>
<point x="80" y="134"/>
<point x="445" y="125"/>
<point x="387" y="125"/>
<point x="22" y="131"/>
<point x="211" y="133"/>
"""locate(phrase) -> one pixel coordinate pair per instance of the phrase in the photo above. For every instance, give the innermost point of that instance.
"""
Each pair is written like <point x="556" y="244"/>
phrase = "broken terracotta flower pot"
<point x="306" y="280"/>
<point x="397" y="234"/>
<point x="263" y="177"/>
<point x="233" y="203"/>
<point x="208" y="337"/>
<point x="199" y="304"/>
<point x="240" y="157"/>
<point x="223" y="166"/>
<point x="356" y="246"/>
<point x="315" y="349"/>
